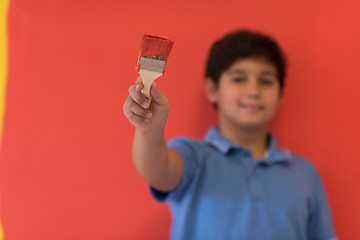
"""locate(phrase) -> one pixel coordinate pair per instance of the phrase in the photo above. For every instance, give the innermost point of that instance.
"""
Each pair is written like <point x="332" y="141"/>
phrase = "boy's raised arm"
<point x="161" y="167"/>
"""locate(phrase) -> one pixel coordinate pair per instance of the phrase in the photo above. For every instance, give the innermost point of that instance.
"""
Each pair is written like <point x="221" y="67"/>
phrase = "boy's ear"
<point x="211" y="90"/>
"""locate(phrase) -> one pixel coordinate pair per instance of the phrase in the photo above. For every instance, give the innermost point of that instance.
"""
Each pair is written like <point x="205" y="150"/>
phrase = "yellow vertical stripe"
<point x="4" y="4"/>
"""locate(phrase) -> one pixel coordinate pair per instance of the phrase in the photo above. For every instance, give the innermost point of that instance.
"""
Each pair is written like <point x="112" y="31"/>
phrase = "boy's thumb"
<point x="157" y="96"/>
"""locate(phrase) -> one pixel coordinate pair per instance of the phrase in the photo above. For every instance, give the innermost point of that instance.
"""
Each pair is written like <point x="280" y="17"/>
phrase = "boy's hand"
<point x="142" y="113"/>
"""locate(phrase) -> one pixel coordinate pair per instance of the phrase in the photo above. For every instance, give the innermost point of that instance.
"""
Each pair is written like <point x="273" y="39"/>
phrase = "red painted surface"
<point x="65" y="169"/>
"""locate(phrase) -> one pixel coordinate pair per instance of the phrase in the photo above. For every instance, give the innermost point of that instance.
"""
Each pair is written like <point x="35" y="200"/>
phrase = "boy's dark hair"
<point x="244" y="44"/>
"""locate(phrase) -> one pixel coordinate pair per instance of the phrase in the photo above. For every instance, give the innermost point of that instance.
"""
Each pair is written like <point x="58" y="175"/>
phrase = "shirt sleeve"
<point x="188" y="153"/>
<point x="320" y="222"/>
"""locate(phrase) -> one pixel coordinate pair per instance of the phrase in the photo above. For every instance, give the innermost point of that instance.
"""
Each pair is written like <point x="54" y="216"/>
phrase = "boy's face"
<point x="247" y="95"/>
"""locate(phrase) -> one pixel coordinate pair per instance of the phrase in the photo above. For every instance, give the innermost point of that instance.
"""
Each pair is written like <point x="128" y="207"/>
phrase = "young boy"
<point x="237" y="183"/>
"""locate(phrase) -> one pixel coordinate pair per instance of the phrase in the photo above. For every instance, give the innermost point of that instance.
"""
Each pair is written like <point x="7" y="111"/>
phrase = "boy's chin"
<point x="253" y="126"/>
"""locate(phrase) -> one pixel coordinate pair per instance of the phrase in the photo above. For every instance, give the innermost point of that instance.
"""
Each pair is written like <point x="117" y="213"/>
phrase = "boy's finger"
<point x="135" y="119"/>
<point x="138" y="84"/>
<point x="133" y="110"/>
<point x="137" y="97"/>
<point x="139" y="111"/>
<point x="138" y="80"/>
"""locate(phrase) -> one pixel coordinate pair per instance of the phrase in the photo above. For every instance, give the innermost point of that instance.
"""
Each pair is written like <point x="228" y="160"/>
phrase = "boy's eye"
<point x="238" y="79"/>
<point x="266" y="81"/>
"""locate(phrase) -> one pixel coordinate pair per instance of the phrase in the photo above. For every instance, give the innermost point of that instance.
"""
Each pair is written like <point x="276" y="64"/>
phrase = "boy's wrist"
<point x="150" y="132"/>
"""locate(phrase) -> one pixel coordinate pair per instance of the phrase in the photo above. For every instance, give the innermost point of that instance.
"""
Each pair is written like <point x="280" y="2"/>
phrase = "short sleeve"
<point x="187" y="150"/>
<point x="320" y="223"/>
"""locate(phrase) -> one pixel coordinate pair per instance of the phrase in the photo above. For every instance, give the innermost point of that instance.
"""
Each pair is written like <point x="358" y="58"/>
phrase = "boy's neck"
<point x="253" y="139"/>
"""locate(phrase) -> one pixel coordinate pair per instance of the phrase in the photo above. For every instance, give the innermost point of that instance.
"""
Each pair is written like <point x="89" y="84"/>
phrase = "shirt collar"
<point x="273" y="155"/>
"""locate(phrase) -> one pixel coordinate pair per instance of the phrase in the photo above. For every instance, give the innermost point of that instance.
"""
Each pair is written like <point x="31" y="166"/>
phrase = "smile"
<point x="252" y="107"/>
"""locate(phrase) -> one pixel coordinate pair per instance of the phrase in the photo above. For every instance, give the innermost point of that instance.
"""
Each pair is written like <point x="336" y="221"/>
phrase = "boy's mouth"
<point x="252" y="107"/>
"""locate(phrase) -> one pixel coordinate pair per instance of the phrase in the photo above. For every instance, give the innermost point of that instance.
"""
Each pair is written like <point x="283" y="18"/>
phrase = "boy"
<point x="236" y="184"/>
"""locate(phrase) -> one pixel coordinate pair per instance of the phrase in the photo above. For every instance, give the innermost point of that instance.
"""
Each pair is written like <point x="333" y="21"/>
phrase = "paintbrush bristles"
<point x="155" y="47"/>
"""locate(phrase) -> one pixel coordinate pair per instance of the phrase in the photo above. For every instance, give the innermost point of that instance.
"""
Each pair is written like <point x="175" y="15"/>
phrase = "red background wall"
<point x="65" y="169"/>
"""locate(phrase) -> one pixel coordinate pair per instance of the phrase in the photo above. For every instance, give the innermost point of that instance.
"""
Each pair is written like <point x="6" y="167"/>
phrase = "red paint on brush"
<point x="154" y="46"/>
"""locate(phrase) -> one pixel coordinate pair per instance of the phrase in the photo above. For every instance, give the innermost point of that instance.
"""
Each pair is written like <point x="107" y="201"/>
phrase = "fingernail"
<point x="148" y="115"/>
<point x="137" y="87"/>
<point x="145" y="105"/>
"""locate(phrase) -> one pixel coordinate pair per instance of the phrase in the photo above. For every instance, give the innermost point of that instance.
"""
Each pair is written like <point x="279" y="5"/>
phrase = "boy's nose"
<point x="253" y="90"/>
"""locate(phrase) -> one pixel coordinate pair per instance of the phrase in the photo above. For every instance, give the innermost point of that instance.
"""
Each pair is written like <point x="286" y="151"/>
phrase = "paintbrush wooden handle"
<point x="148" y="78"/>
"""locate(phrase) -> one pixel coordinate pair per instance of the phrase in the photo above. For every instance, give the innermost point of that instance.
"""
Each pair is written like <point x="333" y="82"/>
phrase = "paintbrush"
<point x="151" y="62"/>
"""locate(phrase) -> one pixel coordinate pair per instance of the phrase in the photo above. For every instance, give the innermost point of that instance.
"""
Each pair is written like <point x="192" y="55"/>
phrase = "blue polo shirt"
<point x="224" y="194"/>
